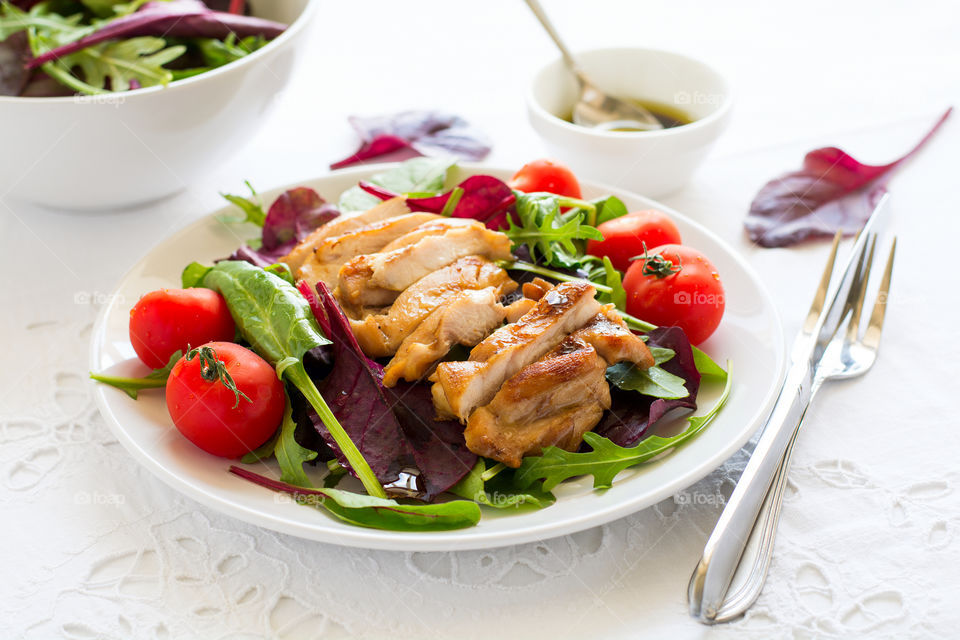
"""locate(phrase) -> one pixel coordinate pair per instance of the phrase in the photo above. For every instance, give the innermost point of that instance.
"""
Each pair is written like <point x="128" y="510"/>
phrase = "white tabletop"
<point x="93" y="546"/>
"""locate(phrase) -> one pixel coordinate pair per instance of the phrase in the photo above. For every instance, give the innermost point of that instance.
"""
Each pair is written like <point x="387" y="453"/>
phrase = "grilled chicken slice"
<point x="376" y="279"/>
<point x="330" y="254"/>
<point x="557" y="399"/>
<point x="433" y="228"/>
<point x="466" y="319"/>
<point x="613" y="340"/>
<point x="463" y="386"/>
<point x="341" y="225"/>
<point x="551" y="402"/>
<point x="382" y="333"/>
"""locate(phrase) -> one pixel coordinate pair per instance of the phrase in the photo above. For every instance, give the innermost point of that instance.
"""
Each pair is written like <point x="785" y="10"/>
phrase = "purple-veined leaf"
<point x="410" y="133"/>
<point x="833" y="191"/>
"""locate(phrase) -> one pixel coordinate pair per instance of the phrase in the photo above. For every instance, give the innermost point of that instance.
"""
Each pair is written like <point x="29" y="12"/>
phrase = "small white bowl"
<point x="652" y="163"/>
<point x="122" y="149"/>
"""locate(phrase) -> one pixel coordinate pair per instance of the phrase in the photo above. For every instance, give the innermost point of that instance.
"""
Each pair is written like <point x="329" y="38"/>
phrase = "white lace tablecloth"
<point x="93" y="546"/>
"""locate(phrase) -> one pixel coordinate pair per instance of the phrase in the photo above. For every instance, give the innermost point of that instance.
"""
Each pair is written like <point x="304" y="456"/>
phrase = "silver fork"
<point x="830" y="346"/>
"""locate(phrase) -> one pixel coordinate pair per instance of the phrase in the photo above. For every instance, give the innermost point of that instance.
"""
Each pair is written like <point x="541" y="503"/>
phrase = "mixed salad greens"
<point x="65" y="47"/>
<point x="333" y="412"/>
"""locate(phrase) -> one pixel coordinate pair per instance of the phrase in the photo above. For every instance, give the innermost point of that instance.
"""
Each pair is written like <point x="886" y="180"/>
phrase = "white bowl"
<point x="653" y="162"/>
<point x="123" y="149"/>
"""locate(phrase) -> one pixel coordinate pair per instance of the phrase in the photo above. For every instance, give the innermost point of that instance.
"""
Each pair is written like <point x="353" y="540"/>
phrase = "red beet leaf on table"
<point x="415" y="133"/>
<point x="833" y="191"/>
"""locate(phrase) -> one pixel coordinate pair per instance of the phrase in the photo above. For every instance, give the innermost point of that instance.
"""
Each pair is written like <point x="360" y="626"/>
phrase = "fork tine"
<point x="871" y="336"/>
<point x="821" y="296"/>
<point x="864" y="268"/>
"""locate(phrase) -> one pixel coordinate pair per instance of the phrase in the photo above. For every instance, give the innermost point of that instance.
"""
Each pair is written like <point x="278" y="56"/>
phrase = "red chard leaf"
<point x="482" y="198"/>
<point x="393" y="428"/>
<point x="293" y="215"/>
<point x="833" y="191"/>
<point x="412" y="133"/>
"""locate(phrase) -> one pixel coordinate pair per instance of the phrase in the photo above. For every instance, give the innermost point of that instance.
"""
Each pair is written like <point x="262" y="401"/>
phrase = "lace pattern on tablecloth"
<point x="95" y="547"/>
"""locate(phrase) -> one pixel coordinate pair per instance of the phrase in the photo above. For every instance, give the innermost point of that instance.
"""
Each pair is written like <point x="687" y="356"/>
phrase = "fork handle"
<point x="721" y="555"/>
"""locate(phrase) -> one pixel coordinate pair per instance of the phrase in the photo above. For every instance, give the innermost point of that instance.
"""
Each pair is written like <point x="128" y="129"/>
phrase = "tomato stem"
<point x="298" y="376"/>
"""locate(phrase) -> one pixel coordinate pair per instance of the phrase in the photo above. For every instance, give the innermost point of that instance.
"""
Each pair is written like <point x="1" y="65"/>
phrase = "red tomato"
<point x="624" y="237"/>
<point x="690" y="298"/>
<point x="215" y="418"/>
<point x="546" y="175"/>
<point x="166" y="320"/>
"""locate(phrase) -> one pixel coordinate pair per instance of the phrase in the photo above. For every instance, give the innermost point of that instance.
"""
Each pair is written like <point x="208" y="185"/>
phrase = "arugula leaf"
<point x="417" y="175"/>
<point x="39" y="19"/>
<point x="498" y="491"/>
<point x="251" y="207"/>
<point x="654" y="381"/>
<point x="376" y="513"/>
<point x="607" y="459"/>
<point x="131" y="386"/>
<point x="263" y="452"/>
<point x="217" y="53"/>
<point x="548" y="232"/>
<point x="289" y="453"/>
<point x="115" y="64"/>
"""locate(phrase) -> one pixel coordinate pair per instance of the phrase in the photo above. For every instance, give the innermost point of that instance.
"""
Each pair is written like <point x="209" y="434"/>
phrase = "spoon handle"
<point x="568" y="58"/>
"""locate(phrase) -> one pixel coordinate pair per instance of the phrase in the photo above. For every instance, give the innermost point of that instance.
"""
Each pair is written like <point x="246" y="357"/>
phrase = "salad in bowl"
<point x="418" y="350"/>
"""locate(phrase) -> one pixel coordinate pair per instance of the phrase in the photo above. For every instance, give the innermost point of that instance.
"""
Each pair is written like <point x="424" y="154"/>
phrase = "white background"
<point x="92" y="546"/>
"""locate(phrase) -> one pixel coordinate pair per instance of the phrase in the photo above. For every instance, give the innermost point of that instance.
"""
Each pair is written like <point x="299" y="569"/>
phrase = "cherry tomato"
<point x="546" y="175"/>
<point x="624" y="237"/>
<point x="168" y="320"/>
<point x="676" y="287"/>
<point x="214" y="417"/>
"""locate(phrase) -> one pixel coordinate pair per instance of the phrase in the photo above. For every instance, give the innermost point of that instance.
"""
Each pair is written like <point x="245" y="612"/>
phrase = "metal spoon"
<point x="595" y="108"/>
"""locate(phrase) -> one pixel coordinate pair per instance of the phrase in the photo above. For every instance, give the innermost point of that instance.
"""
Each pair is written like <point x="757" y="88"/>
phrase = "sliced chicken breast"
<point x="433" y="228"/>
<point x="332" y="252"/>
<point x="341" y="225"/>
<point x="381" y="334"/>
<point x="613" y="340"/>
<point x="461" y="387"/>
<point x="376" y="279"/>
<point x="467" y="319"/>
<point x="551" y="402"/>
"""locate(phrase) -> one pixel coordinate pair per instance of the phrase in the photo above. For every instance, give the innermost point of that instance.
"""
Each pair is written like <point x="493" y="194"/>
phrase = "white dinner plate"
<point x="750" y="336"/>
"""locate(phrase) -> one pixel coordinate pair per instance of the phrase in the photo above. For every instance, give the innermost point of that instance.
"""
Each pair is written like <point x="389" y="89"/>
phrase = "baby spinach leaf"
<point x="131" y="386"/>
<point x="375" y="512"/>
<point x="607" y="208"/>
<point x="277" y="322"/>
<point x="417" y="175"/>
<point x="653" y="381"/>
<point x="606" y="459"/>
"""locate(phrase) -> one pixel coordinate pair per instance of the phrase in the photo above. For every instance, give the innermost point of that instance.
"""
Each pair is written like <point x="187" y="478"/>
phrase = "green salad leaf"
<point x="653" y="381"/>
<point x="251" y="207"/>
<point x="113" y="65"/>
<point x="420" y="176"/>
<point x="290" y="455"/>
<point x="374" y="512"/>
<point x="607" y="459"/>
<point x="498" y="492"/>
<point x="131" y="386"/>
<point x="277" y="322"/>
